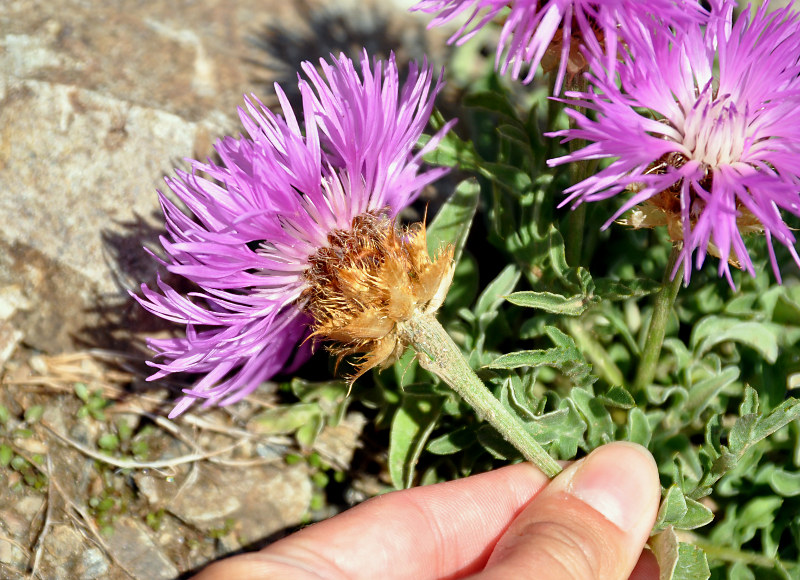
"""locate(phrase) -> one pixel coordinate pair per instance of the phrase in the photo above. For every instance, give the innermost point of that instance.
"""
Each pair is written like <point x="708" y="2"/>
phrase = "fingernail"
<point x="614" y="481"/>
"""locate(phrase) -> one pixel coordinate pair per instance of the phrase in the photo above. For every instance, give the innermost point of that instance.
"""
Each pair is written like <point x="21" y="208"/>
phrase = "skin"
<point x="591" y="521"/>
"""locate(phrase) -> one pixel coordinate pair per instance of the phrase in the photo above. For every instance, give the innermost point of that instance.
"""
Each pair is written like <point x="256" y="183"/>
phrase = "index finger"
<point x="447" y="529"/>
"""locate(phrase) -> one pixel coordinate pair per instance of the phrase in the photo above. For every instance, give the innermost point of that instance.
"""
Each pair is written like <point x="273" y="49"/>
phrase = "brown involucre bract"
<point x="368" y="280"/>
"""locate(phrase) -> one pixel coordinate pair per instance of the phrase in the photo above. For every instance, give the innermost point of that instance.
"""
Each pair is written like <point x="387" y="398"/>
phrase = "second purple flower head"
<point x="711" y="153"/>
<point x="552" y="32"/>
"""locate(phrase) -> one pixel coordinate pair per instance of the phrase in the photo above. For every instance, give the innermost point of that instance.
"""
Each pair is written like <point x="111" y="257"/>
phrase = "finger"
<point x="434" y="531"/>
<point x="591" y="522"/>
<point x="646" y="568"/>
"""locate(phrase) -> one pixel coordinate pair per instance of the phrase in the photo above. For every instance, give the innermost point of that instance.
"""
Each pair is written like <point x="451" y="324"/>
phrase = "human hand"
<point x="591" y="521"/>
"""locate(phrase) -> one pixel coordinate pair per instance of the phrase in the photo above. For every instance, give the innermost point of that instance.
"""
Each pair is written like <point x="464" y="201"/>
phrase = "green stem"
<point x="439" y="354"/>
<point x="574" y="238"/>
<point x="578" y="171"/>
<point x="733" y="555"/>
<point x="602" y="361"/>
<point x="658" y="322"/>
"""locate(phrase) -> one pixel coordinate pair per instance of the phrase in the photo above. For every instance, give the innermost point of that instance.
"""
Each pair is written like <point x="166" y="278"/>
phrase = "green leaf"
<point x="307" y="433"/>
<point x="454" y="219"/>
<point x="519" y="137"/>
<point x="751" y="428"/>
<point x="494" y="293"/>
<point x="570" y="436"/>
<point x="638" y="429"/>
<point x="673" y="508"/>
<point x="697" y="516"/>
<point x="405" y="369"/>
<point x="328" y="391"/>
<point x="782" y="482"/>
<point x="82" y="391"/>
<point x="779" y="417"/>
<point x="556" y="252"/>
<point x="531" y="358"/>
<point x="599" y="425"/>
<point x="6" y="455"/>
<point x="494" y="443"/>
<point x="411" y="426"/>
<point x="692" y="563"/>
<point x="759" y="513"/>
<point x="553" y="303"/>
<point x="494" y="101"/>
<point x="452" y="151"/>
<point x="452" y="442"/>
<point x="608" y="289"/>
<point x="562" y="429"/>
<point x="787" y="311"/>
<point x="565" y="357"/>
<point x="108" y="442"/>
<point x="704" y="392"/>
<point x="713" y="330"/>
<point x="464" y="288"/>
<point x="284" y="419"/>
<point x="740" y="571"/>
<point x="749" y="403"/>
<point x="617" y="397"/>
<point x="34" y="413"/>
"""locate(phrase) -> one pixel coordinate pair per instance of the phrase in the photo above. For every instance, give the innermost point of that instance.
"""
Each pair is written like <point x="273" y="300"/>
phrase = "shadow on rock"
<point x="117" y="326"/>
<point x="321" y="31"/>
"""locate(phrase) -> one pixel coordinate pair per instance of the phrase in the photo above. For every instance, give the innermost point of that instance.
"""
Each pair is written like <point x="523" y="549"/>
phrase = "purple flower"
<point x="252" y="222"/>
<point x="533" y="29"/>
<point x="712" y="154"/>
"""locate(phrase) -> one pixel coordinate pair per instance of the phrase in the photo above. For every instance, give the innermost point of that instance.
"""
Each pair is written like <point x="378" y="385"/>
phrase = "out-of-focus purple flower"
<point x="710" y="154"/>
<point x="253" y="221"/>
<point x="532" y="28"/>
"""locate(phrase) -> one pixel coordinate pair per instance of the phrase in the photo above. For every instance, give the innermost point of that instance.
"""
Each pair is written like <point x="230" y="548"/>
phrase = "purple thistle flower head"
<point x="252" y="223"/>
<point x="534" y="29"/>
<point x="710" y="153"/>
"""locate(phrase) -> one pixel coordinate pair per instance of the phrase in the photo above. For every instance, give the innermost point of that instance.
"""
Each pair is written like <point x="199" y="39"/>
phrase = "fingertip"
<point x="646" y="568"/>
<point x="591" y="521"/>
<point x="620" y="481"/>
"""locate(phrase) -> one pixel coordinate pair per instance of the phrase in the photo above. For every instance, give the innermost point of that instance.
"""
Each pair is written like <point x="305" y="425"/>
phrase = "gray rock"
<point x="133" y="547"/>
<point x="254" y="502"/>
<point x="9" y="339"/>
<point x="337" y="444"/>
<point x="67" y="555"/>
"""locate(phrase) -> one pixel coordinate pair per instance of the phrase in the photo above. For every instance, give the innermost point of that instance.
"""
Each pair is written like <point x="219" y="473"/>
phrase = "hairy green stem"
<point x="439" y="354"/>
<point x="658" y="322"/>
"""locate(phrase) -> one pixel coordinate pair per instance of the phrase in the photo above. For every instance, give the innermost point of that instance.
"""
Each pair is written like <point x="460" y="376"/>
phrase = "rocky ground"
<point x="98" y="101"/>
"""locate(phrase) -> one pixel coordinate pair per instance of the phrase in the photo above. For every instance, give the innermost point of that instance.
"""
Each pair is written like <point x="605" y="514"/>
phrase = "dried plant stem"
<point x="439" y="354"/>
<point x="658" y="322"/>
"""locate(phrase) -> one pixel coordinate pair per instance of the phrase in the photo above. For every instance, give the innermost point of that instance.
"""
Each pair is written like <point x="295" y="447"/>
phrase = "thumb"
<point x="591" y="521"/>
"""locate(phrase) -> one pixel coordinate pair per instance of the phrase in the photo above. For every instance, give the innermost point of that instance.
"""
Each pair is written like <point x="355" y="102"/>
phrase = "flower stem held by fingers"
<point x="438" y="354"/>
